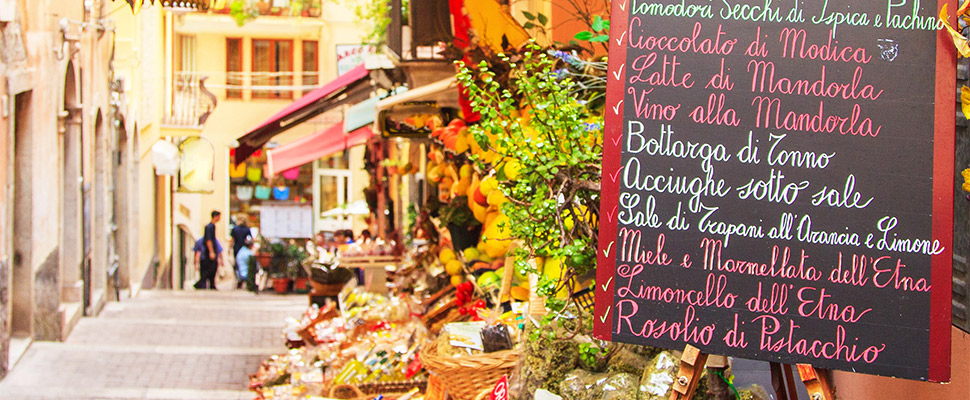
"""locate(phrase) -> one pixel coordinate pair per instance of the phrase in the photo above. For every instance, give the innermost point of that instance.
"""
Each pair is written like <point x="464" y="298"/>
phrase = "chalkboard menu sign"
<point x="778" y="182"/>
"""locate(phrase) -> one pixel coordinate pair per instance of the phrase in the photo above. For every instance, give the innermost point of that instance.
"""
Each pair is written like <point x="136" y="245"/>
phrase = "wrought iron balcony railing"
<point x="192" y="103"/>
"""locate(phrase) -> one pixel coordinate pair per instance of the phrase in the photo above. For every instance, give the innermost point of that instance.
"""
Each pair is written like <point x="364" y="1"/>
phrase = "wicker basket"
<point x="390" y="390"/>
<point x="443" y="314"/>
<point x="467" y="376"/>
<point x="324" y="289"/>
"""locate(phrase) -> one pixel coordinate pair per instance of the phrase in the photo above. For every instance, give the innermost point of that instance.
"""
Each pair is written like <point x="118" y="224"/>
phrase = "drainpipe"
<point x="169" y="57"/>
<point x="9" y="110"/>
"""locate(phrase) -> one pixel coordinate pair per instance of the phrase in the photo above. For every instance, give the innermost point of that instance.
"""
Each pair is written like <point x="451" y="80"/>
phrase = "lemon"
<point x="496" y="198"/>
<point x="480" y="212"/>
<point x="461" y="144"/>
<point x="553" y="268"/>
<point x="471" y="253"/>
<point x="512" y="169"/>
<point x="584" y="213"/>
<point x="453" y="267"/>
<point x="520" y="293"/>
<point x="456" y="280"/>
<point x="446" y="255"/>
<point x="497" y="237"/>
<point x="488" y="185"/>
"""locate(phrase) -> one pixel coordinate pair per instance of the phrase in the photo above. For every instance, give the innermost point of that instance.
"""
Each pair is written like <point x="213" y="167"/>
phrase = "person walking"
<point x="247" y="272"/>
<point x="208" y="263"/>
<point x="239" y="235"/>
<point x="198" y="250"/>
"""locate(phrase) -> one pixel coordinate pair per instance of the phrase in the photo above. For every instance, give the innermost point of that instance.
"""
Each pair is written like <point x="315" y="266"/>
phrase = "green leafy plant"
<point x="295" y="257"/>
<point x="599" y="31"/>
<point x="534" y="119"/>
<point x="589" y="354"/>
<point x="375" y="16"/>
<point x="457" y="213"/>
<point x="241" y="12"/>
<point x="536" y="21"/>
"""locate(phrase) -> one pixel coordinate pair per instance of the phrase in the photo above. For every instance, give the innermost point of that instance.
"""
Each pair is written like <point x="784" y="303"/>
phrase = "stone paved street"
<point x="160" y="345"/>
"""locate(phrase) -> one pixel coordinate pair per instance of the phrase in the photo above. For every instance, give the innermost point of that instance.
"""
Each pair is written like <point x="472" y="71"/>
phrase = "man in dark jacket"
<point x="209" y="264"/>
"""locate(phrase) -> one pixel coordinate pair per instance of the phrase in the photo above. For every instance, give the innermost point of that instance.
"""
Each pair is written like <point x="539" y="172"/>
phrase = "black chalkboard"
<point x="778" y="182"/>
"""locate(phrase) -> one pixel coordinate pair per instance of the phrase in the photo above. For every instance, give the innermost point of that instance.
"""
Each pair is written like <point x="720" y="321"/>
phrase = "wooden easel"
<point x="692" y="366"/>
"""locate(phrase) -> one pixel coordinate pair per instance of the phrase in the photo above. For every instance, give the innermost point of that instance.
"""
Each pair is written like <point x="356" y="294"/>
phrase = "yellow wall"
<point x="140" y="62"/>
<point x="234" y="117"/>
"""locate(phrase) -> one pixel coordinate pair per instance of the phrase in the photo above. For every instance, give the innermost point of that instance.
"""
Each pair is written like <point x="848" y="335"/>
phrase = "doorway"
<point x="21" y="282"/>
<point x="71" y="180"/>
<point x="120" y="213"/>
<point x="186" y="258"/>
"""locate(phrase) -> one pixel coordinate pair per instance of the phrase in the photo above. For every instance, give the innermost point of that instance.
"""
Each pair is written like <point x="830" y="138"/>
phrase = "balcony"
<point x="248" y="9"/>
<point x="192" y="103"/>
<point x="285" y="85"/>
<point x="421" y="32"/>
<point x="176" y="5"/>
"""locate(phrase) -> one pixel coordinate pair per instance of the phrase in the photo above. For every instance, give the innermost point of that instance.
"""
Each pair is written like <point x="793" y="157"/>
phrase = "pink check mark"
<point x="612" y="213"/>
<point x="616" y="140"/>
<point x="615" y="174"/>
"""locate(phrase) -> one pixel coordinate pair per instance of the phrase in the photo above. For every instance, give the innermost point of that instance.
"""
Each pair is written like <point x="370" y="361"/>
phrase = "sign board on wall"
<point x="350" y="56"/>
<point x="778" y="182"/>
<point x="286" y="221"/>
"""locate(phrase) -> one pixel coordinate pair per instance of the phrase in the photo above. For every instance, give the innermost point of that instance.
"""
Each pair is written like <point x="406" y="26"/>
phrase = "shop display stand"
<point x="374" y="268"/>
<point x="692" y="366"/>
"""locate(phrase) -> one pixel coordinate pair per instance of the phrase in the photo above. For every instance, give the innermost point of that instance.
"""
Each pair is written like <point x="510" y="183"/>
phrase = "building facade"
<point x="254" y="70"/>
<point x="65" y="194"/>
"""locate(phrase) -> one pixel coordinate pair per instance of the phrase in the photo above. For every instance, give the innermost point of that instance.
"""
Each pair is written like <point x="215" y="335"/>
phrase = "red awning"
<point x="317" y="145"/>
<point x="349" y="88"/>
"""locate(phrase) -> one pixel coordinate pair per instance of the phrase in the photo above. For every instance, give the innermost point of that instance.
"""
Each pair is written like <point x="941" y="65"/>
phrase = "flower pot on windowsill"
<point x="281" y="285"/>
<point x="314" y="12"/>
<point x="263" y="7"/>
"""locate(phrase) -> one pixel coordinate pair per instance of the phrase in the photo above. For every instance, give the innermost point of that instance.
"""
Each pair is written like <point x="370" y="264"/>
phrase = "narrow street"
<point x="159" y="345"/>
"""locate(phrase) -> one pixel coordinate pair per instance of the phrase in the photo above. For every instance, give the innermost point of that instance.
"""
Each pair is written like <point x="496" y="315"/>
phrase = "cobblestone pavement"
<point x="160" y="345"/>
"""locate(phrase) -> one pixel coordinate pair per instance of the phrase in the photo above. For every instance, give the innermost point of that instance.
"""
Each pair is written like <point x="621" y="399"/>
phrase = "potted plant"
<point x="296" y="256"/>
<point x="278" y="268"/>
<point x="251" y="271"/>
<point x="297" y="8"/>
<point x="242" y="13"/>
<point x="264" y="256"/>
<point x="461" y="222"/>
<point x="263" y="6"/>
<point x="313" y="10"/>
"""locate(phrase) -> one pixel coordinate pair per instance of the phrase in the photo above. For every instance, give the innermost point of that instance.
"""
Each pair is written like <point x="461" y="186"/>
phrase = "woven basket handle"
<point x="355" y="389"/>
<point x="484" y="395"/>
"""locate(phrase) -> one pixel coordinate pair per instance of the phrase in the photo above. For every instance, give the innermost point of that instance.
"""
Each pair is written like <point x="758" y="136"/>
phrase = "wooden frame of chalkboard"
<point x="836" y="251"/>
